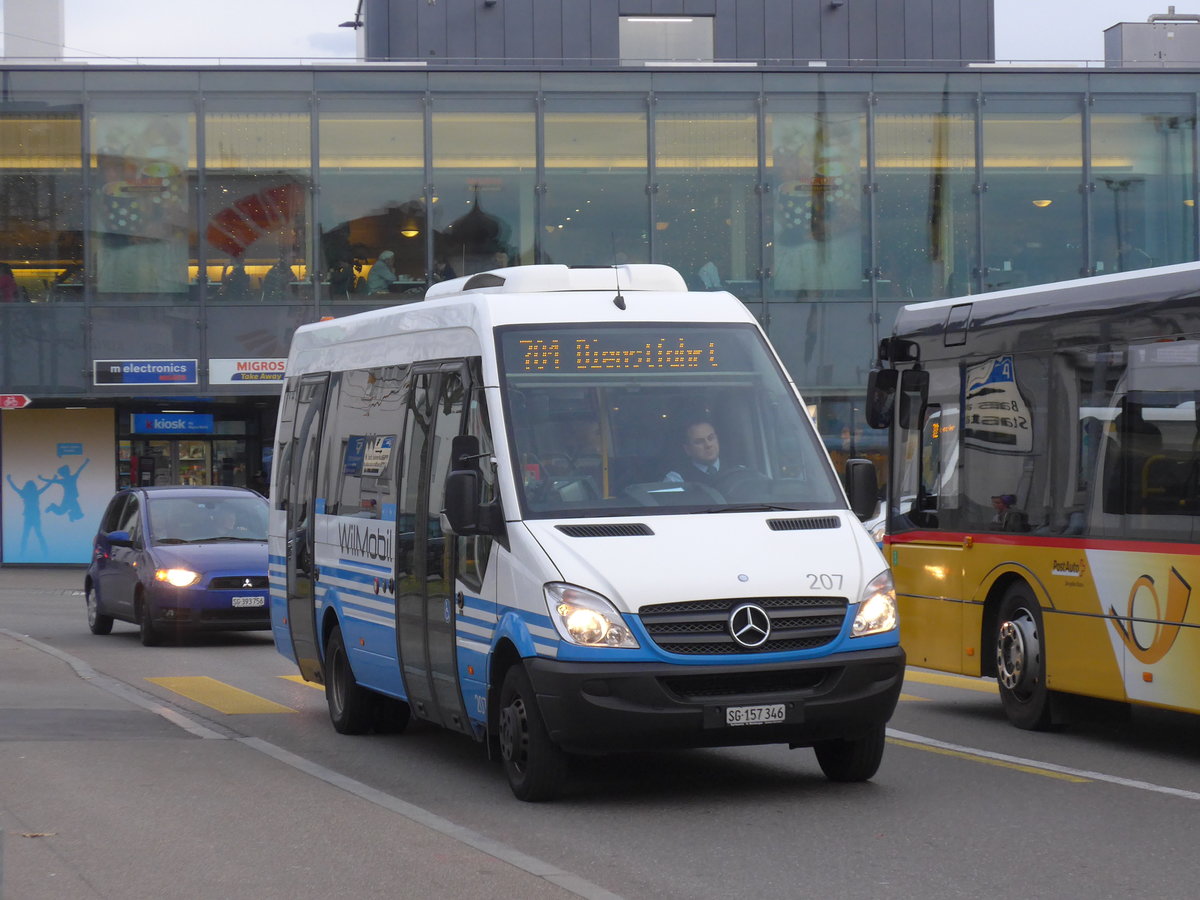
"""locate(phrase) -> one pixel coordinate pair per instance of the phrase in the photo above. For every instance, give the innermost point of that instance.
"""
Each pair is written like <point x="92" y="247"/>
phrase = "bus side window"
<point x="930" y="477"/>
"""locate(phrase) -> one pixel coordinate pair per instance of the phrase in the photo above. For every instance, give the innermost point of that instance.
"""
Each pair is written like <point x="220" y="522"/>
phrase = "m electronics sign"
<point x="144" y="371"/>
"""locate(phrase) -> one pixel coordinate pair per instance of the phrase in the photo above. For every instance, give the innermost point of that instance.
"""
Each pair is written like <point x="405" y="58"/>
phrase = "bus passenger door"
<point x="425" y="607"/>
<point x="929" y="565"/>
<point x="301" y="517"/>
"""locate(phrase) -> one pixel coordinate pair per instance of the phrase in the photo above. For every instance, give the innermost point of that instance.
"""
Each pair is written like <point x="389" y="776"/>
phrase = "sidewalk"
<point x="103" y="798"/>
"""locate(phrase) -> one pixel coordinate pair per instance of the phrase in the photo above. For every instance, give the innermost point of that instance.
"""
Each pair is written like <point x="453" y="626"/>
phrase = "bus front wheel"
<point x="536" y="767"/>
<point x="852" y="760"/>
<point x="1021" y="660"/>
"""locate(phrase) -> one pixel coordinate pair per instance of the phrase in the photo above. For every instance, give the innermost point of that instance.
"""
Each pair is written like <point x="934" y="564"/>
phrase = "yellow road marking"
<point x="964" y="682"/>
<point x="973" y="757"/>
<point x="219" y="696"/>
<point x="912" y="697"/>
<point x="299" y="679"/>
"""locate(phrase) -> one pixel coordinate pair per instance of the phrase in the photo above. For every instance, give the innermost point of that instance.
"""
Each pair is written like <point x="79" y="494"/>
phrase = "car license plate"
<point x="249" y="601"/>
<point x="755" y="715"/>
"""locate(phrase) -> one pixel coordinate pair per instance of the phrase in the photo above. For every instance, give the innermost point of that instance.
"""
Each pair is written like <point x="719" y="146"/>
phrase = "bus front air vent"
<point x="804" y="524"/>
<point x="623" y="529"/>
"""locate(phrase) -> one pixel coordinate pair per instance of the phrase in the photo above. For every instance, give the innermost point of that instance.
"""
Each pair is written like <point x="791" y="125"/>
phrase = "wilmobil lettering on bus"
<point x="364" y="542"/>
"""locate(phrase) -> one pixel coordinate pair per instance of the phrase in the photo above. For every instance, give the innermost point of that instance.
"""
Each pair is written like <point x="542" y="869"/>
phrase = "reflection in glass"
<point x="596" y="209"/>
<point x="1143" y="171"/>
<point x="372" y="172"/>
<point x="925" y="205"/>
<point x="41" y="200"/>
<point x="483" y="204"/>
<point x="817" y="169"/>
<point x="1032" y="208"/>
<point x="707" y="208"/>
<point x="256" y="205"/>
<point x="143" y="167"/>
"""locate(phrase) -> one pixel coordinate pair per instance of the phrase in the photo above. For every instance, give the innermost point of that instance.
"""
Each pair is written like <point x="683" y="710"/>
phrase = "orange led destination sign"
<point x="614" y="353"/>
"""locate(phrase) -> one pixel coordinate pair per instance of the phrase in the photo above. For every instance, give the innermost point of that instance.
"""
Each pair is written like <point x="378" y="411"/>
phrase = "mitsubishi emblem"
<point x="750" y="625"/>
<point x="247" y="583"/>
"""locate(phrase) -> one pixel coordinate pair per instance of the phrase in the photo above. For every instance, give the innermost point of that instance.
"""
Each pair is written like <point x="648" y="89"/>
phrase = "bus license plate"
<point x="249" y="601"/>
<point x="754" y="715"/>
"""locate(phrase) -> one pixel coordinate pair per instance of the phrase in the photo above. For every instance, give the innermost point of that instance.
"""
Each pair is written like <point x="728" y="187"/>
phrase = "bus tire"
<point x="1021" y="660"/>
<point x="351" y="706"/>
<point x="535" y="766"/>
<point x="852" y="759"/>
<point x="97" y="621"/>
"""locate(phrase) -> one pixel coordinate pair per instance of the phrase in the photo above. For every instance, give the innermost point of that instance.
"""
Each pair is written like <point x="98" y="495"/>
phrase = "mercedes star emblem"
<point x="750" y="625"/>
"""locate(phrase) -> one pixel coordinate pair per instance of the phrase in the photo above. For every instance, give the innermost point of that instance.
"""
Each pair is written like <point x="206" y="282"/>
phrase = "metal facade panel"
<point x="750" y="28"/>
<point x="806" y="31"/>
<point x="577" y="32"/>
<point x="777" y="21"/>
<point x="835" y="32"/>
<point x="864" y="32"/>
<point x="518" y="31"/>
<point x="605" y="44"/>
<point x="461" y="29"/>
<point x="947" y="29"/>
<point x="547" y="29"/>
<point x="918" y="29"/>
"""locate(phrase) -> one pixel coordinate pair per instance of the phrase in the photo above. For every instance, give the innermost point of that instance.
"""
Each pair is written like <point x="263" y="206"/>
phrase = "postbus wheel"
<point x="1021" y="660"/>
<point x="97" y="621"/>
<point x="854" y="759"/>
<point x="535" y="766"/>
<point x="350" y="705"/>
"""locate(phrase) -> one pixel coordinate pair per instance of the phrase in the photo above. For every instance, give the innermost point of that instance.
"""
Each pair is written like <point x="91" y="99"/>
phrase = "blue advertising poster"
<point x="59" y="472"/>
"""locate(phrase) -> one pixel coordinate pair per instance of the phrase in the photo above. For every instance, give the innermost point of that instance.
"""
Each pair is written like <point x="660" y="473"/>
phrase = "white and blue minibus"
<point x="489" y="512"/>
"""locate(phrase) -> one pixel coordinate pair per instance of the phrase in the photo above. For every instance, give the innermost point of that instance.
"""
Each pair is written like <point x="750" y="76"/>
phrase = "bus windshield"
<point x="621" y="419"/>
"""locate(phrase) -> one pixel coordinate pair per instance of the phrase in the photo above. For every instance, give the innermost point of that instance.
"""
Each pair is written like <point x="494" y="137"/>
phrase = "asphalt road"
<point x="113" y="785"/>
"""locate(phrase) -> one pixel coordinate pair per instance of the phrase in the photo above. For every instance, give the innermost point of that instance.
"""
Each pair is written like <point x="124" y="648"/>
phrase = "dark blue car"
<point x="175" y="559"/>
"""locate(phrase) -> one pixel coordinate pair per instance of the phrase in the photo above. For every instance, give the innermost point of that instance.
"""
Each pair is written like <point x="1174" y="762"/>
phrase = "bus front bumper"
<point x="596" y="708"/>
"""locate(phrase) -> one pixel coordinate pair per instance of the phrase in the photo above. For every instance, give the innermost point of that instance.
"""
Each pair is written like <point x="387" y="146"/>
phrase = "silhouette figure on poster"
<point x="32" y="522"/>
<point x="69" y="504"/>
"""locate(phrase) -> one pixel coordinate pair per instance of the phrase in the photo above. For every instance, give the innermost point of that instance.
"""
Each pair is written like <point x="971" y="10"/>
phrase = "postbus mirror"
<point x="914" y="393"/>
<point x="881" y="396"/>
<point x="461" y="510"/>
<point x="862" y="487"/>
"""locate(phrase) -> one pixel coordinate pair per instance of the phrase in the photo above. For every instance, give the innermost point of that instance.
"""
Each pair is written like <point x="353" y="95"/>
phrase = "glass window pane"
<point x="596" y="210"/>
<point x="143" y="178"/>
<point x="1142" y="207"/>
<point x="816" y="160"/>
<point x="1032" y="208"/>
<point x="644" y="38"/>
<point x="484" y="166"/>
<point x="925" y="205"/>
<point x="372" y="198"/>
<point x="41" y="199"/>
<point x="707" y="212"/>
<point x="257" y="198"/>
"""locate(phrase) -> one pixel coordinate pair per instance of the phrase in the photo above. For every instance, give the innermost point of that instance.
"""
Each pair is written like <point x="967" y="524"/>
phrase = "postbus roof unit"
<point x="558" y="278"/>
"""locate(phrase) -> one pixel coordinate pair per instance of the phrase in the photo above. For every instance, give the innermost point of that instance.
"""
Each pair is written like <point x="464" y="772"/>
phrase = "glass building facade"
<point x="203" y="214"/>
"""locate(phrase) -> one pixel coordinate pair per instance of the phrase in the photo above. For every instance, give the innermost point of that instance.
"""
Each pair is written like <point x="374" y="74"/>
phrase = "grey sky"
<point x="1025" y="29"/>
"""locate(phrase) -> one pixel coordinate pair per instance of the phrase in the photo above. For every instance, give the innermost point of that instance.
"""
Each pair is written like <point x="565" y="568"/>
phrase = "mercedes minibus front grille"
<point x="742" y="684"/>
<point x="702" y="626"/>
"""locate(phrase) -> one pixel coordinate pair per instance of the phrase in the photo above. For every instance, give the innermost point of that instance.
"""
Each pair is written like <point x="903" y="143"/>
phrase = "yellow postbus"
<point x="1043" y="521"/>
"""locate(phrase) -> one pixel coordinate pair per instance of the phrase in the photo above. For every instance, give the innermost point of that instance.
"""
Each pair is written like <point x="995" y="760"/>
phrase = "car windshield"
<point x="191" y="520"/>
<point x="630" y="419"/>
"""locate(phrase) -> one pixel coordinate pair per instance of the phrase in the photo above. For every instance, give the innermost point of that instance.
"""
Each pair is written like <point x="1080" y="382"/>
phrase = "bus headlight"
<point x="177" y="577"/>
<point x="877" y="608"/>
<point x="586" y="618"/>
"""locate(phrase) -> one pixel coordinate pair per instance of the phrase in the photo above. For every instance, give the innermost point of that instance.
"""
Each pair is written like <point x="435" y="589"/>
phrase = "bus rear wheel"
<point x="535" y="766"/>
<point x="1021" y="660"/>
<point x="350" y="705"/>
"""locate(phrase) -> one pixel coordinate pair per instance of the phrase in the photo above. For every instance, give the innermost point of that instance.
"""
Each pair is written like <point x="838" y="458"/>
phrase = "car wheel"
<point x="855" y="759"/>
<point x="149" y="634"/>
<point x="97" y="621"/>
<point x="1021" y="660"/>
<point x="536" y="767"/>
<point x="351" y="706"/>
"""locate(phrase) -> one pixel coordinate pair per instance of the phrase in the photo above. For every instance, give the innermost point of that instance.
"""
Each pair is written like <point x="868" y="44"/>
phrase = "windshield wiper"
<point x="223" y="537"/>
<point x="750" y="507"/>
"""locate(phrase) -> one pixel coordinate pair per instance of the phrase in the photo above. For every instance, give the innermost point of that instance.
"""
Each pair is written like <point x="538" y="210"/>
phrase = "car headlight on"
<point x="879" y="532"/>
<point x="586" y="618"/>
<point x="877" y="608"/>
<point x="177" y="577"/>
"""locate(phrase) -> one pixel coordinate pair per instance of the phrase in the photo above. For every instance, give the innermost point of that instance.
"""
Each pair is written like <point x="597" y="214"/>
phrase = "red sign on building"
<point x="14" y="401"/>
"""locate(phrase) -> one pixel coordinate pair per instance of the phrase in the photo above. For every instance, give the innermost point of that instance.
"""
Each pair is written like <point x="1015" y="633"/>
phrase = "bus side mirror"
<point x="461" y="510"/>
<point x="881" y="396"/>
<point x="914" y="394"/>
<point x="862" y="487"/>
